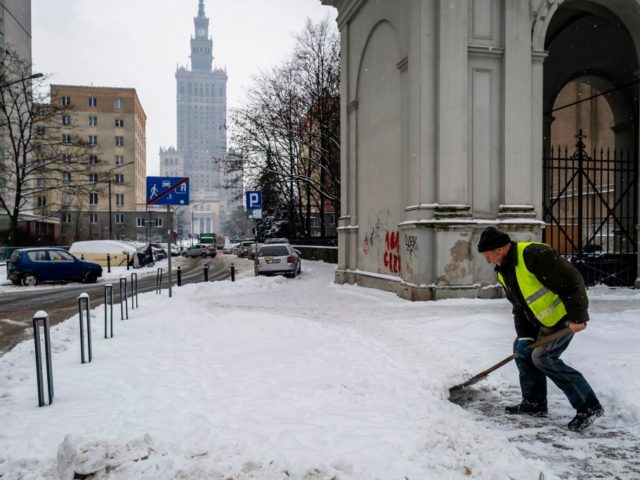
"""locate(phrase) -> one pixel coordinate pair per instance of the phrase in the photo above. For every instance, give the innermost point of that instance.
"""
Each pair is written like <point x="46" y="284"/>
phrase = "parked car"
<point x="278" y="259"/>
<point x="276" y="240"/>
<point x="29" y="266"/>
<point x="230" y="247"/>
<point x="209" y="249"/>
<point x="159" y="251"/>
<point x="243" y="248"/>
<point x="197" y="250"/>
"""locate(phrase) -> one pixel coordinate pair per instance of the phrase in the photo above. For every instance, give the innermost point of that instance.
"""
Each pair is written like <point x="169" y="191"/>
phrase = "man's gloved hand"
<point x="521" y="349"/>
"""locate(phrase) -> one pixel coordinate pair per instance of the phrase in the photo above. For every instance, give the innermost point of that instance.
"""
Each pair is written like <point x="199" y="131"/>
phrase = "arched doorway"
<point x="590" y="199"/>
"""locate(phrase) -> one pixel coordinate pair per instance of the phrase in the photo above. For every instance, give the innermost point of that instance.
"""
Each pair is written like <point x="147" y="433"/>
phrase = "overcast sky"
<point x="139" y="43"/>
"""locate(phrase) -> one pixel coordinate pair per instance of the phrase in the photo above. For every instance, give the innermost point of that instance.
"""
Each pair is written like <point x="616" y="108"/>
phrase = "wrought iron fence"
<point x="590" y="210"/>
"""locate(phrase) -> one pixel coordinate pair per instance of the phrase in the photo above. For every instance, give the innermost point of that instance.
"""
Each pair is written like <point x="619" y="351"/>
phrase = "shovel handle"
<point x="536" y="344"/>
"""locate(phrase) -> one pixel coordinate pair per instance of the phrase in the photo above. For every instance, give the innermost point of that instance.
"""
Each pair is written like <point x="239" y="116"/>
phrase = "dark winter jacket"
<point x="555" y="273"/>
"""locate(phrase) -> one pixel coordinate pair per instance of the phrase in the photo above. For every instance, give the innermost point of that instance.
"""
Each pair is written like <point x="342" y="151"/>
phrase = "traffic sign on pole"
<point x="254" y="200"/>
<point x="167" y="190"/>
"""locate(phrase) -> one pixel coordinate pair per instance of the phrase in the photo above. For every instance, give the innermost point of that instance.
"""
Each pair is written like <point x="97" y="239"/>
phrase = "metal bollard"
<point x="39" y="317"/>
<point x="179" y="277"/>
<point x="127" y="260"/>
<point x="82" y="256"/>
<point x="108" y="263"/>
<point x="134" y="289"/>
<point x="123" y="299"/>
<point x="159" y="281"/>
<point x="233" y="273"/>
<point x="206" y="272"/>
<point x="83" y="301"/>
<point x="108" y="293"/>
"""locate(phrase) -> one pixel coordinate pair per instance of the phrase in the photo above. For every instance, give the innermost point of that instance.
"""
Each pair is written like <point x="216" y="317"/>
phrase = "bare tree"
<point x="289" y="133"/>
<point x="43" y="164"/>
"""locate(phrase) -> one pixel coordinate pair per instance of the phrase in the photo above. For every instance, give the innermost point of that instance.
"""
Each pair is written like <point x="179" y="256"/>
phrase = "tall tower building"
<point x="201" y="125"/>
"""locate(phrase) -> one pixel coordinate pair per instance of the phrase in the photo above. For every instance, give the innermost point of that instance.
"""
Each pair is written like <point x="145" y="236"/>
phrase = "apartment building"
<point x="113" y="204"/>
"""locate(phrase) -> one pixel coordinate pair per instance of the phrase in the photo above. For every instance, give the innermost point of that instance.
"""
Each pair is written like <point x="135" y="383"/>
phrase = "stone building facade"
<point x="201" y="94"/>
<point x="446" y="105"/>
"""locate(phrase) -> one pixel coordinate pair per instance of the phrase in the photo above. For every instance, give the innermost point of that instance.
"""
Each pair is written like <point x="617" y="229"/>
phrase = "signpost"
<point x="168" y="191"/>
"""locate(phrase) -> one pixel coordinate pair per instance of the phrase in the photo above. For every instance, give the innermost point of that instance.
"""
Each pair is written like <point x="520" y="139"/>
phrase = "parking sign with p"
<point x="254" y="200"/>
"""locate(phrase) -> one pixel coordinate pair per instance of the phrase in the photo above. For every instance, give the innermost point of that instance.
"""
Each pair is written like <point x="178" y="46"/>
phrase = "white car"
<point x="229" y="248"/>
<point x="278" y="259"/>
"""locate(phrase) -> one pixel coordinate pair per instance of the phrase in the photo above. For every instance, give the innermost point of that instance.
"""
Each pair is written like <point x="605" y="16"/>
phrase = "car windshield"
<point x="274" y="251"/>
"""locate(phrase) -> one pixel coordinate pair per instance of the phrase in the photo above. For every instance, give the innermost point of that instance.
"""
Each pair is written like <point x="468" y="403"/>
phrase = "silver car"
<point x="278" y="259"/>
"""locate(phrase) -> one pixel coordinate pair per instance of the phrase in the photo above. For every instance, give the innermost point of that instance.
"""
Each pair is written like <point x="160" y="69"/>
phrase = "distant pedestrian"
<point x="547" y="294"/>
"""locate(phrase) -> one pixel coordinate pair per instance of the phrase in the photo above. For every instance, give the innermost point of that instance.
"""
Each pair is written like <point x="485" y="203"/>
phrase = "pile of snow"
<point x="274" y="378"/>
<point x="96" y="251"/>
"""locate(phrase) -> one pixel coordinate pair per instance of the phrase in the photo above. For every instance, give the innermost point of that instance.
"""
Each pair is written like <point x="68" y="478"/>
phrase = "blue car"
<point x="29" y="266"/>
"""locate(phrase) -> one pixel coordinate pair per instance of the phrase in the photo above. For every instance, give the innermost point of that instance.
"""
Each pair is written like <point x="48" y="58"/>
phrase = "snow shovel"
<point x="485" y="373"/>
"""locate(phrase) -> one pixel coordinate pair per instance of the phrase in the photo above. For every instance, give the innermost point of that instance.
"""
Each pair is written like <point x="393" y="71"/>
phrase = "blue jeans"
<point x="545" y="362"/>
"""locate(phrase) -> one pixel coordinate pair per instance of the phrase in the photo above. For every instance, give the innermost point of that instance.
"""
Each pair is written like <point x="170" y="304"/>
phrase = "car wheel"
<point x="204" y="255"/>
<point x="29" y="280"/>
<point x="90" y="277"/>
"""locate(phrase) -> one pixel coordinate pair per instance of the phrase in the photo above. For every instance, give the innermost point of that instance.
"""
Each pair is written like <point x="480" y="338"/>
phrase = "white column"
<point x="518" y="106"/>
<point x="452" y="103"/>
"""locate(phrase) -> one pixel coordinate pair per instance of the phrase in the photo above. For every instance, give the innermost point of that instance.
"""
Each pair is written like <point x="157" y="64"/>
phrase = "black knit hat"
<point x="492" y="238"/>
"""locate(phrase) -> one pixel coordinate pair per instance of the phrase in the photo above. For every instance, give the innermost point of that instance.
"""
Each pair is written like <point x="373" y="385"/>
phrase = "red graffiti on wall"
<point x="392" y="251"/>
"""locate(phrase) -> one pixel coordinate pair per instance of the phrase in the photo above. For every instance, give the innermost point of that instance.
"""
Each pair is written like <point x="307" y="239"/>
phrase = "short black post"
<point x="158" y="281"/>
<point x="127" y="260"/>
<point x="134" y="290"/>
<point x="82" y="256"/>
<point x="206" y="272"/>
<point x="124" y="306"/>
<point x="108" y="303"/>
<point x="179" y="275"/>
<point x="83" y="307"/>
<point x="108" y="263"/>
<point x="39" y="317"/>
<point x="233" y="272"/>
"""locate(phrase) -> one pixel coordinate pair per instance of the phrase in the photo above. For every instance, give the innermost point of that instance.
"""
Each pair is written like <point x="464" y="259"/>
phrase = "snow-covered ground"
<point x="275" y="378"/>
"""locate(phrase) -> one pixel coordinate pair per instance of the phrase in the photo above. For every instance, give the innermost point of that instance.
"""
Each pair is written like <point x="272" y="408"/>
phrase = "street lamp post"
<point x="31" y="77"/>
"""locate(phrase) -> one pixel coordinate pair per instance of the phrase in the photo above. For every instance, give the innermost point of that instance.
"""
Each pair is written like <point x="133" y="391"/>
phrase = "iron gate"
<point x="590" y="209"/>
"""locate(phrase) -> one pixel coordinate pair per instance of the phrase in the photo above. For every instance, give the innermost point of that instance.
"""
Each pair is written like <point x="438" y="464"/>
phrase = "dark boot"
<point x="528" y="408"/>
<point x="585" y="417"/>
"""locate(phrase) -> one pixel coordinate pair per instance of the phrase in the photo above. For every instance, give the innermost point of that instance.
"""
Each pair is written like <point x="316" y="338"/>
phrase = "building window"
<point x="42" y="182"/>
<point x="93" y="139"/>
<point x="66" y="158"/>
<point x="118" y="178"/>
<point x="120" y="199"/>
<point x="66" y="177"/>
<point x="65" y="101"/>
<point x="119" y="218"/>
<point x="119" y="122"/>
<point x="66" y="138"/>
<point x="93" y="198"/>
<point x="93" y="102"/>
<point x="139" y="222"/>
<point x="119" y="103"/>
<point x="65" y="217"/>
<point x="93" y="159"/>
<point x="66" y="119"/>
<point x="66" y="199"/>
<point x="158" y="221"/>
<point x="93" y="218"/>
<point x="40" y="130"/>
<point x="93" y="121"/>
<point x="119" y="159"/>
<point x="93" y="178"/>
<point x="119" y="141"/>
<point x="42" y="201"/>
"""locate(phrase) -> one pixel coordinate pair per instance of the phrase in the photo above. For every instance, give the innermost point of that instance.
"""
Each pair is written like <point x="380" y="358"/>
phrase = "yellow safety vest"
<point x="547" y="307"/>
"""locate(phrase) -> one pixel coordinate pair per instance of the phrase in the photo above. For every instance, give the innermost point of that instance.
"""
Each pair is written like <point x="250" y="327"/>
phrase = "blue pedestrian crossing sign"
<point x="167" y="190"/>
<point x="254" y="200"/>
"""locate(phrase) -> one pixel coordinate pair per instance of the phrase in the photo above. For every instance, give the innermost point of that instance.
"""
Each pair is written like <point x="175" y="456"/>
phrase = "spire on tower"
<point x="201" y="8"/>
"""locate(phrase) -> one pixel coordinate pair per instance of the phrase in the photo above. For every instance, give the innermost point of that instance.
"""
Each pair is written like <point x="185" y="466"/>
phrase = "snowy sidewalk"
<point x="274" y="378"/>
